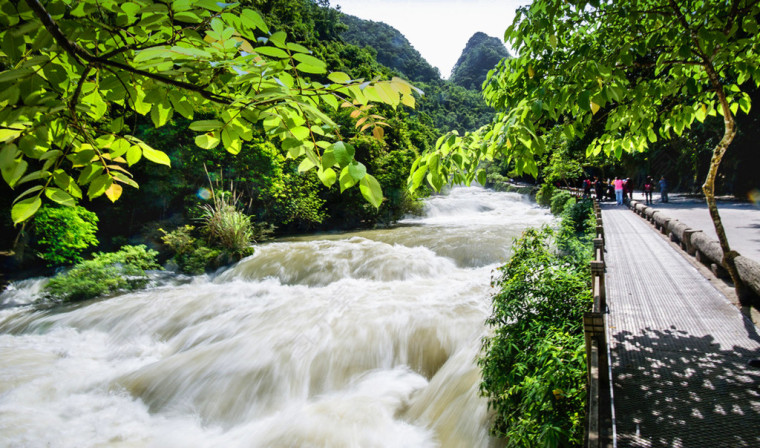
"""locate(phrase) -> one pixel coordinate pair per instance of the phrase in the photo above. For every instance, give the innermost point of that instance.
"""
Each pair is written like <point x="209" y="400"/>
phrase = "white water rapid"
<point x="367" y="339"/>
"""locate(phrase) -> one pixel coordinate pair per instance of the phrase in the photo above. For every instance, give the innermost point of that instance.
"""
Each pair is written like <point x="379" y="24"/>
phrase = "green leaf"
<point x="481" y="176"/>
<point x="278" y="38"/>
<point x="13" y="74"/>
<point x="98" y="186"/>
<point x="60" y="197"/>
<point x="8" y="156"/>
<point x="155" y="155"/>
<point x="346" y="180"/>
<point x="305" y="165"/>
<point x="252" y="19"/>
<point x="371" y="190"/>
<point x="231" y="141"/>
<point x="207" y="141"/>
<point x="328" y="159"/>
<point x="313" y="69"/>
<point x="339" y="77"/>
<point x="134" y="154"/>
<point x="14" y="172"/>
<point x="272" y="52"/>
<point x="206" y="125"/>
<point x="357" y="170"/>
<point x="181" y="104"/>
<point x="160" y="114"/>
<point x="344" y="153"/>
<point x="309" y="60"/>
<point x="25" y="209"/>
<point x="327" y="176"/>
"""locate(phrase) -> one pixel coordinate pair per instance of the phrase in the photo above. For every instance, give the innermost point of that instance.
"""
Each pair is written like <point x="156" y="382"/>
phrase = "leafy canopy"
<point x="642" y="70"/>
<point x="75" y="74"/>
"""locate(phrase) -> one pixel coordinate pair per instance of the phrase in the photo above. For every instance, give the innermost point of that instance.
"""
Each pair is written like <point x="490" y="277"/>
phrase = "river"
<point x="362" y="339"/>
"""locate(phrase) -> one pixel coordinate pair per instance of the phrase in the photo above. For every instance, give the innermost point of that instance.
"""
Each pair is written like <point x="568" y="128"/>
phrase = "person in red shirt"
<point x="648" y="189"/>
<point x="618" y="190"/>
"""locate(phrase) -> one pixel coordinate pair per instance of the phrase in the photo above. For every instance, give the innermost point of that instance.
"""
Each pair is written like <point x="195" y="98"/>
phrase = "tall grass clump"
<point x="226" y="226"/>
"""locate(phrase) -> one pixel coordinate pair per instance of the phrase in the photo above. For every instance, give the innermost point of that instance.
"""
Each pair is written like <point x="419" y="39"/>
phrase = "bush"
<point x="106" y="273"/>
<point x="533" y="365"/>
<point x="544" y="194"/>
<point x="63" y="234"/>
<point x="560" y="200"/>
<point x="191" y="256"/>
<point x="576" y="232"/>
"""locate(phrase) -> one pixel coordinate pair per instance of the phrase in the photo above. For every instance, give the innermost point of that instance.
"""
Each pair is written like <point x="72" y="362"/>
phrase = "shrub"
<point x="106" y="273"/>
<point x="63" y="234"/>
<point x="533" y="364"/>
<point x="576" y="231"/>
<point x="559" y="201"/>
<point x="544" y="194"/>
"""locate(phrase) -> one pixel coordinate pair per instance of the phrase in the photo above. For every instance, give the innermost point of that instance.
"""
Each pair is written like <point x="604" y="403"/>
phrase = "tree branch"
<point x="80" y="55"/>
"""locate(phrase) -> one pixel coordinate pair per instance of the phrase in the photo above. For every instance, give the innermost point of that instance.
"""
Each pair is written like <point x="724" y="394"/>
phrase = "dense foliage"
<point x="481" y="55"/>
<point x="78" y="75"/>
<point x="64" y="233"/>
<point x="533" y="364"/>
<point x="279" y="154"/>
<point x="105" y="273"/>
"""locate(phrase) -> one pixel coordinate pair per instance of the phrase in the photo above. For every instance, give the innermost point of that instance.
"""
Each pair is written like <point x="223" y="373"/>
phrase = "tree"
<point x="639" y="71"/>
<point x="75" y="75"/>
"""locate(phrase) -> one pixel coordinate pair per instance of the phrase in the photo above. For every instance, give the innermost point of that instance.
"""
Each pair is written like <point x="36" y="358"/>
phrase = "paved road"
<point x="679" y="347"/>
<point x="740" y="219"/>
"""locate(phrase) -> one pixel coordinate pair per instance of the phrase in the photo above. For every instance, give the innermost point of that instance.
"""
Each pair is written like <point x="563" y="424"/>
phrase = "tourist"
<point x="586" y="188"/>
<point x="610" y="189"/>
<point x="618" y="190"/>
<point x="648" y="189"/>
<point x="599" y="190"/>
<point x="663" y="189"/>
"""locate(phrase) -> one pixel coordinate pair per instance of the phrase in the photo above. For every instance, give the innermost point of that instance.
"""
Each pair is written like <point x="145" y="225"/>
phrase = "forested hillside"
<point x="393" y="49"/>
<point x="446" y="105"/>
<point x="481" y="54"/>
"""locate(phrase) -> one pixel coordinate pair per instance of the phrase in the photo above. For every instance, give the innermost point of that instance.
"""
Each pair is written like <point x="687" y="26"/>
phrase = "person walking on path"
<point x="648" y="188"/>
<point x="663" y="189"/>
<point x="599" y="189"/>
<point x="618" y="190"/>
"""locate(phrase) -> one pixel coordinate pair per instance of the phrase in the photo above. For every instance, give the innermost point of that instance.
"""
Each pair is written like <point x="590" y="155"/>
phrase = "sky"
<point x="438" y="29"/>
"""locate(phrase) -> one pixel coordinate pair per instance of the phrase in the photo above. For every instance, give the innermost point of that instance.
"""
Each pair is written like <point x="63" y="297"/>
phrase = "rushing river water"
<point x="366" y="339"/>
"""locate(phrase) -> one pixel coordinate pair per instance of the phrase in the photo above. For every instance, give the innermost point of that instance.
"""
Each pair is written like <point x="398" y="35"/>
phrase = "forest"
<point x="268" y="187"/>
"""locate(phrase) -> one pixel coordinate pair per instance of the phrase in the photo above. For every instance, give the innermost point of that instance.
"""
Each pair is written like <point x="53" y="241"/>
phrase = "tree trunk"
<point x="709" y="186"/>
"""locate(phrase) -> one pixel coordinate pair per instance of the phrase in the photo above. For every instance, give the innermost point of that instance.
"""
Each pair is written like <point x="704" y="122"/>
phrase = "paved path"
<point x="679" y="347"/>
<point x="740" y="219"/>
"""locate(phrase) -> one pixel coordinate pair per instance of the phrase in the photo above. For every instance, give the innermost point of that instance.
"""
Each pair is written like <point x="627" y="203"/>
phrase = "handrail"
<point x="598" y="408"/>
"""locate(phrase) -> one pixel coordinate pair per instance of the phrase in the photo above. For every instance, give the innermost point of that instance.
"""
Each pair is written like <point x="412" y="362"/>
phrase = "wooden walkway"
<point x="679" y="348"/>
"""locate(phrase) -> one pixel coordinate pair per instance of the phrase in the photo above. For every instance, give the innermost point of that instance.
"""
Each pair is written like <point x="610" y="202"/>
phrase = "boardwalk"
<point x="679" y="348"/>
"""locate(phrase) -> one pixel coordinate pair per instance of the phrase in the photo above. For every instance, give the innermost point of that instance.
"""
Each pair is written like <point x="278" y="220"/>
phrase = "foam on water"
<point x="363" y="340"/>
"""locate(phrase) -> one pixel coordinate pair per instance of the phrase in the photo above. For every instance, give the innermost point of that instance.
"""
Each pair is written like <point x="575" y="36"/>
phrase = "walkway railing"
<point x="599" y="415"/>
<point x="599" y="400"/>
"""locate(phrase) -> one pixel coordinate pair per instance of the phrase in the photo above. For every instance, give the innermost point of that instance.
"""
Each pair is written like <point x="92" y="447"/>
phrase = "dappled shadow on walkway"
<point x="686" y="389"/>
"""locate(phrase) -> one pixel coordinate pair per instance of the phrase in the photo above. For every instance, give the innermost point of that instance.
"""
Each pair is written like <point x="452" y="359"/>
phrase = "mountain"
<point x="480" y="55"/>
<point x="393" y="49"/>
